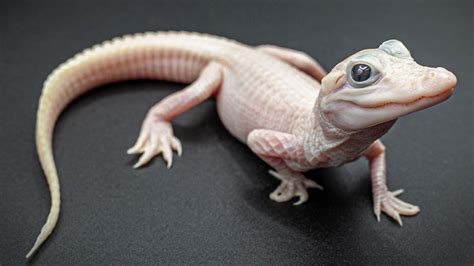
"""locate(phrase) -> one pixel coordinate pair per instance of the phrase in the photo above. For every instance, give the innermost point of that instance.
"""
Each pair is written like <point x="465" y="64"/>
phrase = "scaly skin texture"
<point x="268" y="97"/>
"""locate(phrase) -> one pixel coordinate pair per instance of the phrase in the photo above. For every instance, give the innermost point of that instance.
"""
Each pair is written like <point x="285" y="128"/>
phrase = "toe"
<point x="150" y="151"/>
<point x="283" y="197"/>
<point x="397" y="192"/>
<point x="276" y="175"/>
<point x="300" y="201"/>
<point x="283" y="193"/>
<point x="176" y="144"/>
<point x="377" y="215"/>
<point x="167" y="153"/>
<point x="312" y="184"/>
<point x="140" y="143"/>
<point x="404" y="208"/>
<point x="390" y="211"/>
<point x="302" y="194"/>
<point x="277" y="192"/>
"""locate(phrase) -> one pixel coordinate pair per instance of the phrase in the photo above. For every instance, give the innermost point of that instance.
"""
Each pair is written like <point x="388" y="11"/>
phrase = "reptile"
<point x="280" y="102"/>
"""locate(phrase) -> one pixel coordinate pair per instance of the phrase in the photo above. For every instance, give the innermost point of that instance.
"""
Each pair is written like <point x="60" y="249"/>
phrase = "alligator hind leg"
<point x="156" y="134"/>
<point x="300" y="60"/>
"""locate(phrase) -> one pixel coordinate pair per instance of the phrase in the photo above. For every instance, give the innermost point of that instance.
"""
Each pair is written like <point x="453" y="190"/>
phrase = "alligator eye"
<point x="360" y="72"/>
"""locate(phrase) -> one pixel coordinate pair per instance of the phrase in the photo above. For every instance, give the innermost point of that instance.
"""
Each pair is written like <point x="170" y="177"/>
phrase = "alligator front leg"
<point x="385" y="200"/>
<point x="156" y="134"/>
<point x="275" y="148"/>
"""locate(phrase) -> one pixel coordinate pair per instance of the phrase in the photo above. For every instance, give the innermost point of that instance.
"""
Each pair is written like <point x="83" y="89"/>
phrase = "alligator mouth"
<point x="423" y="101"/>
<point x="351" y="116"/>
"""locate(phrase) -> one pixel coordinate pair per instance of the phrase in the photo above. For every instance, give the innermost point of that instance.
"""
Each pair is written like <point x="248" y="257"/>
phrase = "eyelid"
<point x="374" y="76"/>
<point x="368" y="59"/>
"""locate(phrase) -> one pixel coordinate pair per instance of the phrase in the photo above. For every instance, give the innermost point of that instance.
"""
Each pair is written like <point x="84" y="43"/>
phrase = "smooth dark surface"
<point x="213" y="205"/>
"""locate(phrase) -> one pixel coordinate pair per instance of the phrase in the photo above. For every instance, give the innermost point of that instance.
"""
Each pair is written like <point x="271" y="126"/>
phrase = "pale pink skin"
<point x="268" y="97"/>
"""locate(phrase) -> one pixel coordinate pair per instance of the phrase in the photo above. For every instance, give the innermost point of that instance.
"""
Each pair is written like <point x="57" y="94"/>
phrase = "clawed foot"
<point x="156" y="136"/>
<point x="292" y="185"/>
<point x="389" y="203"/>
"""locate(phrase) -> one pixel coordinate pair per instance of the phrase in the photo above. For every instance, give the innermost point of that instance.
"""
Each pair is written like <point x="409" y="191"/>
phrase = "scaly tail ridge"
<point x="167" y="56"/>
<point x="45" y="122"/>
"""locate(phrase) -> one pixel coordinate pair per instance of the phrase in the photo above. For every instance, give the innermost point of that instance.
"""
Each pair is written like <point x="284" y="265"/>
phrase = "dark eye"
<point x="360" y="72"/>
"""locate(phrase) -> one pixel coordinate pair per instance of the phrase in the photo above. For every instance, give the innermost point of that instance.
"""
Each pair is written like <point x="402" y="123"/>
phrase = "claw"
<point x="176" y="144"/>
<point x="303" y="195"/>
<point x="399" y="220"/>
<point x="377" y="215"/>
<point x="275" y="174"/>
<point x="393" y="213"/>
<point x="312" y="184"/>
<point x="377" y="209"/>
<point x="167" y="153"/>
<point x="300" y="201"/>
<point x="150" y="152"/>
<point x="397" y="192"/>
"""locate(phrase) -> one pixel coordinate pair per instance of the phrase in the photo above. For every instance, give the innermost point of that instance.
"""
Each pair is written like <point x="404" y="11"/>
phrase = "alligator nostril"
<point x="445" y="76"/>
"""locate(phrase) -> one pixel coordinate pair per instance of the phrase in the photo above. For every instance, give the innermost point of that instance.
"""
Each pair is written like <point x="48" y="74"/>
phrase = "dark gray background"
<point x="213" y="205"/>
